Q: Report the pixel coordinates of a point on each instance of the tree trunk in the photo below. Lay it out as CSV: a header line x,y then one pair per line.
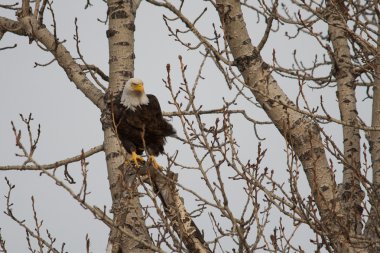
x,y
372,228
300,131
349,192
126,207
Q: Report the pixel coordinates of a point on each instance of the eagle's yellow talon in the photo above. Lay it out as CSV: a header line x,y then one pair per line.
x,y
154,163
135,158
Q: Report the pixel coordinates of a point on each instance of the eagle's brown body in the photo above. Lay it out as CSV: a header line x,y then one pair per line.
x,y
143,127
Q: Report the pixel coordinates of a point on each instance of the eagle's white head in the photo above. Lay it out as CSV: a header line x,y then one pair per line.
x,y
133,94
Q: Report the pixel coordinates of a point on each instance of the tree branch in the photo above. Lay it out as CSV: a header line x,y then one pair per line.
x,y
57,164
30,26
96,70
191,26
183,224
300,132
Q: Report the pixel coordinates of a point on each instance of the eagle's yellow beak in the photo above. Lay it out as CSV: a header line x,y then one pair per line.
x,y
139,87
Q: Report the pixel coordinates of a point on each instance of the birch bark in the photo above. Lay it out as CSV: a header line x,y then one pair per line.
x,y
372,228
300,132
126,207
350,191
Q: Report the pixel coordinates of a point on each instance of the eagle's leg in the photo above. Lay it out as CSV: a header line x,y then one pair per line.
x,y
154,163
136,158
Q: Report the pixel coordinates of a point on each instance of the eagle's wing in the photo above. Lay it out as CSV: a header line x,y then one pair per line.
x,y
154,107
156,124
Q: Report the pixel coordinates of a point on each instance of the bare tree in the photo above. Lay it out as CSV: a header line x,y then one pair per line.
x,y
265,210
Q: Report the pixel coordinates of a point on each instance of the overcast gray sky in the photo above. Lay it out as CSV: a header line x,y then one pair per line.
x,y
70,122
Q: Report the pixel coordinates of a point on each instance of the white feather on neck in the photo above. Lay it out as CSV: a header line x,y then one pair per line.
x,y
131,101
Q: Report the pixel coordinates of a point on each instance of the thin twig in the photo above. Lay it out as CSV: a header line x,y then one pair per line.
x,y
57,164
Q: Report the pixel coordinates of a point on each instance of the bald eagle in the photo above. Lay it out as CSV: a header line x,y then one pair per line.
x,y
140,124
